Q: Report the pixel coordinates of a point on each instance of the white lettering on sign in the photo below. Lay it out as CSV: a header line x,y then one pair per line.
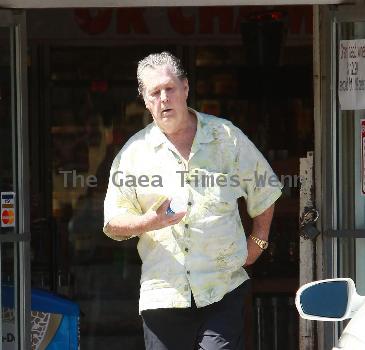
x,y
8,335
351,75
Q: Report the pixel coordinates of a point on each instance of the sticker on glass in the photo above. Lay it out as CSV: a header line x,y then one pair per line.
x,y
7,209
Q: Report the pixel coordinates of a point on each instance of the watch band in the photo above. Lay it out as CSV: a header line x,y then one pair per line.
x,y
260,242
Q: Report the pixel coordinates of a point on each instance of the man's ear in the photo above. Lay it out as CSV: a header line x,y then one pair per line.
x,y
186,87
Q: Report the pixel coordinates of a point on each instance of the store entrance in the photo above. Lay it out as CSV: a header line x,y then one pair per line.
x,y
84,107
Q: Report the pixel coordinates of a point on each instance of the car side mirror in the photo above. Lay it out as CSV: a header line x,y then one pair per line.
x,y
328,300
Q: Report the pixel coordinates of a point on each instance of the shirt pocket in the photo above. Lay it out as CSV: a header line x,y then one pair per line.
x,y
156,245
218,191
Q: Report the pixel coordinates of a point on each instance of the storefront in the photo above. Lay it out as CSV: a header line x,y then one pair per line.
x,y
68,103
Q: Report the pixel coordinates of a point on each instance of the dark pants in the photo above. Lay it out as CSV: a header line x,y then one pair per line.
x,y
218,326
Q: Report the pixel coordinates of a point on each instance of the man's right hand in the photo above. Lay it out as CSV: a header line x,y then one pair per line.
x,y
129,225
156,220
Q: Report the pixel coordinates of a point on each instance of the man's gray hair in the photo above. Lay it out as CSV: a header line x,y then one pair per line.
x,y
155,60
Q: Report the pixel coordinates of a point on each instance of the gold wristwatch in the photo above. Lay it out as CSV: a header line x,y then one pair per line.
x,y
260,242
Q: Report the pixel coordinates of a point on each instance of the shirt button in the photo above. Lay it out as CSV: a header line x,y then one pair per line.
x,y
186,225
188,272
190,203
186,249
179,161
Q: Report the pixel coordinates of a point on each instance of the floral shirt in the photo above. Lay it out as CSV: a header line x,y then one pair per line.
x,y
204,253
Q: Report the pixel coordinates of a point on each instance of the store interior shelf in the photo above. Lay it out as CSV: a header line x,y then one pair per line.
x,y
289,166
287,205
277,285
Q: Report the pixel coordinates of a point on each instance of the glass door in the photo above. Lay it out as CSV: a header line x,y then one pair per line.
x,y
14,228
89,110
343,154
349,120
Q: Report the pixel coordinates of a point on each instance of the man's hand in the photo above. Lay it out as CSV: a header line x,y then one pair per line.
x,y
128,225
155,220
253,252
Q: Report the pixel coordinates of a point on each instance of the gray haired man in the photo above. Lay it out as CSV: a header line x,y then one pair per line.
x,y
193,257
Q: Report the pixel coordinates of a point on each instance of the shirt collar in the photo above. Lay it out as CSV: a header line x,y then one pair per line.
x,y
204,133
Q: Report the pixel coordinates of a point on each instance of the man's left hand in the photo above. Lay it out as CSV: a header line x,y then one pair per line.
x,y
254,252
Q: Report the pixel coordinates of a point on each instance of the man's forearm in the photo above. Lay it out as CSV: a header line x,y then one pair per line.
x,y
260,229
261,223
126,225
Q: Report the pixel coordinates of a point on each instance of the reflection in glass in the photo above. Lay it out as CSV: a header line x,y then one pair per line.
x,y
93,110
326,299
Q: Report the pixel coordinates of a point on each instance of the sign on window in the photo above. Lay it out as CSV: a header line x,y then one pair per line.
x,y
351,80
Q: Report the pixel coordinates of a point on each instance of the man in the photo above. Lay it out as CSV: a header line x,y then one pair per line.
x,y
192,282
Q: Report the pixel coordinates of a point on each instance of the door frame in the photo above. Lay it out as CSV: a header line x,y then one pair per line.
x,y
26,4
15,20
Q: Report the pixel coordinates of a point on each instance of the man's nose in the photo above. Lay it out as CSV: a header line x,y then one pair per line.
x,y
164,96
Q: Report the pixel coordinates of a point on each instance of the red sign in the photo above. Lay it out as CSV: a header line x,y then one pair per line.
x,y
204,20
7,217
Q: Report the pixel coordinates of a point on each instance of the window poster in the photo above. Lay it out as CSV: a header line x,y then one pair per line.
x,y
351,78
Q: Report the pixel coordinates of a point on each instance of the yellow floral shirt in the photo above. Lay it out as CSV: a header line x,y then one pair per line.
x,y
204,253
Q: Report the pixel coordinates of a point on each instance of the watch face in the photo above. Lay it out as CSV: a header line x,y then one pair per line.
x,y
265,245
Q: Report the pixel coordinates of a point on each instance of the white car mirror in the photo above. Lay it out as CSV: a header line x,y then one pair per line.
x,y
328,300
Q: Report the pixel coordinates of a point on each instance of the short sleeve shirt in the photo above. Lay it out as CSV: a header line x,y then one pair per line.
x,y
204,253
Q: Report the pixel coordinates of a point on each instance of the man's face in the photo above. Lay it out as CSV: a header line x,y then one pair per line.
x,y
165,97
